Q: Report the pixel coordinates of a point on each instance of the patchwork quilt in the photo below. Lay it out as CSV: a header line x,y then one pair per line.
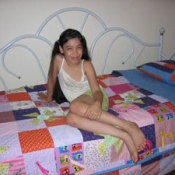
x,y
35,138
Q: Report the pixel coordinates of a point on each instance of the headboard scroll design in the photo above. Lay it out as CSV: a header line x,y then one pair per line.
x,y
94,29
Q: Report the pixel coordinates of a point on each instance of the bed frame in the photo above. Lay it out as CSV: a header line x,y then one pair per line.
x,y
130,56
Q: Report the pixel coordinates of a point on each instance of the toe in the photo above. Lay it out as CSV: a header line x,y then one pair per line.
x,y
134,157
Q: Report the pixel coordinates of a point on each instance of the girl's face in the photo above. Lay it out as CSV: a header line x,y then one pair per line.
x,y
72,51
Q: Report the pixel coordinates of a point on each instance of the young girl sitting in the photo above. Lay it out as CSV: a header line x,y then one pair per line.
x,y
72,70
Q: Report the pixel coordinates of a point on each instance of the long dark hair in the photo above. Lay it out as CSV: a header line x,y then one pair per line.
x,y
68,34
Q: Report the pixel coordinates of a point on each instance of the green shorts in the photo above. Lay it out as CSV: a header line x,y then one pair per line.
x,y
105,103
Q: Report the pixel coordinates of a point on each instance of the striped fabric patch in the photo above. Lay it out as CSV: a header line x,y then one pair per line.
x,y
162,70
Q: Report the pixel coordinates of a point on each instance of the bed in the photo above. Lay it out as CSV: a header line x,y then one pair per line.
x,y
35,138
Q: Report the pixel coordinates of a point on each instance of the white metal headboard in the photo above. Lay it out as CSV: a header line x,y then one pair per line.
x,y
89,24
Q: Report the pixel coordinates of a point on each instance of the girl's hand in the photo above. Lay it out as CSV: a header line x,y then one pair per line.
x,y
94,111
43,96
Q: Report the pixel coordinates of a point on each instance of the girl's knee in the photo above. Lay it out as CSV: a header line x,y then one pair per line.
x,y
71,120
73,106
77,108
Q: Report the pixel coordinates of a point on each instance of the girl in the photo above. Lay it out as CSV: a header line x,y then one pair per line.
x,y
71,66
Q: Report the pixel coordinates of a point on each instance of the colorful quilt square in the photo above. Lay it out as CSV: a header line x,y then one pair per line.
x,y
20,96
3,98
119,89
55,121
170,105
34,96
69,159
90,136
9,144
109,92
4,168
40,103
132,96
6,117
30,124
28,140
149,132
2,93
161,112
51,111
147,101
114,99
42,165
158,98
36,88
144,91
97,154
65,135
5,107
169,116
115,81
165,135
17,105
26,113
134,113
15,165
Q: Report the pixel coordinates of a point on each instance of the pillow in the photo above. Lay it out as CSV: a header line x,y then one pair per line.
x,y
162,70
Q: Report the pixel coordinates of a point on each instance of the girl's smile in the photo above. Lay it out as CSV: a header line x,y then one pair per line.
x,y
73,51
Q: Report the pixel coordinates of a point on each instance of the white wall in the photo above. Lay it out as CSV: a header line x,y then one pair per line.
x,y
141,17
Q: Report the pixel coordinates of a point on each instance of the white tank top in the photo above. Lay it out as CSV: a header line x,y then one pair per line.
x,y
71,87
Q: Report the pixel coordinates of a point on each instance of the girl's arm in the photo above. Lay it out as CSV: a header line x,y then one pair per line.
x,y
50,88
92,79
95,109
52,79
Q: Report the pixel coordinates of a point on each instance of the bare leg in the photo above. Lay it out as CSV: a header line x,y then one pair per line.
x,y
83,102
99,127
130,127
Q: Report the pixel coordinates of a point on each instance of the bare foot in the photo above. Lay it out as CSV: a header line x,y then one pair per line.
x,y
137,136
131,147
